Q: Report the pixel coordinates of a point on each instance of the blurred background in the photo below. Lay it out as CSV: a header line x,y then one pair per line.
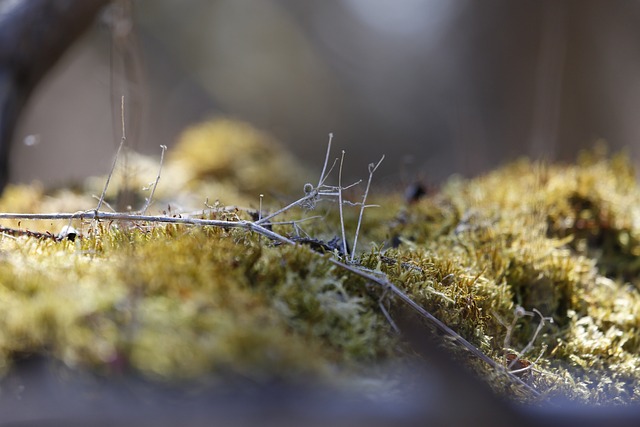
x,y
439,86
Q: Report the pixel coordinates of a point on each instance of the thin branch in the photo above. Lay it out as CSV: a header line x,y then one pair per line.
x,y
155,184
115,159
345,249
386,314
326,161
120,216
518,313
296,221
529,345
333,165
311,193
350,185
107,204
372,169
302,200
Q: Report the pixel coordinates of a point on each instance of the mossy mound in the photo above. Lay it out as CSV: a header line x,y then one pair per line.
x,y
489,257
184,304
519,237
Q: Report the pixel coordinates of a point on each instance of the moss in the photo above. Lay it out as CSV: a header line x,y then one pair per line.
x,y
234,153
320,301
179,303
555,238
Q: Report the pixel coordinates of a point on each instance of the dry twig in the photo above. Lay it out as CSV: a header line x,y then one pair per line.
x,y
115,158
155,184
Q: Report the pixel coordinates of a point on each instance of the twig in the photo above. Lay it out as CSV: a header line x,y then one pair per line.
x,y
529,345
296,221
14,232
107,204
372,169
115,159
312,194
519,313
155,184
386,314
531,366
260,214
345,249
326,161
120,216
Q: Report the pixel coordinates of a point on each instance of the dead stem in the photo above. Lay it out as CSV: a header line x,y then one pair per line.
x,y
372,169
345,249
115,159
155,184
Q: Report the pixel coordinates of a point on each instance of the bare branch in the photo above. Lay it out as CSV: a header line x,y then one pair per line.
x,y
345,249
326,161
372,169
115,159
309,196
155,184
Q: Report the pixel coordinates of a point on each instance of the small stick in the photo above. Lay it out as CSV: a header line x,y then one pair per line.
x,y
155,184
529,345
313,194
340,209
115,159
260,214
519,313
372,169
120,216
93,196
326,161
386,314
310,192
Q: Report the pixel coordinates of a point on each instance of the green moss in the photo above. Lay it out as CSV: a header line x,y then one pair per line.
x,y
321,302
555,238
181,303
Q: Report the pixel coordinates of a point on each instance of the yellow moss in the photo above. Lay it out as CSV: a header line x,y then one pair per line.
x,y
556,238
174,302
236,153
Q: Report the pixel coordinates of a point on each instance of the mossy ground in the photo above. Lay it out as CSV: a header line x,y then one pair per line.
x,y
177,303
